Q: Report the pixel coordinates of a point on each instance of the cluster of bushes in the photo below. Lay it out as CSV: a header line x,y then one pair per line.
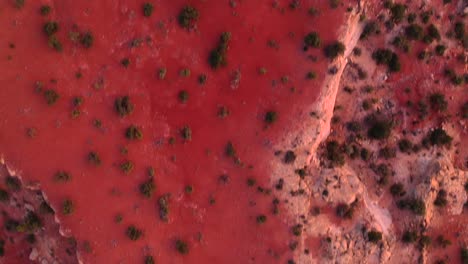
x,y
387,57
346,211
335,154
383,171
417,206
454,78
218,57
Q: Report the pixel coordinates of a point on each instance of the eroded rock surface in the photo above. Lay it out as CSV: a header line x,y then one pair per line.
x,y
235,131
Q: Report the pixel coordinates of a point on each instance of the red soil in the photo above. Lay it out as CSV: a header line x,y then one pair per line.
x,y
228,228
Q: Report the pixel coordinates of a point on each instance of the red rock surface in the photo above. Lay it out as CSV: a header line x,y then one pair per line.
x,y
247,140
221,232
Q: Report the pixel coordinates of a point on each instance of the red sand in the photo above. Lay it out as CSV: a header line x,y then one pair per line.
x,y
228,228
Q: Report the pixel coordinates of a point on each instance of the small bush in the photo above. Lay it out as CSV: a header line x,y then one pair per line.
x,y
397,12
442,241
345,211
87,40
440,49
380,129
371,27
438,102
409,236
387,57
312,40
133,233
387,152
335,153
464,110
374,236
432,34
383,171
438,137
218,56
147,9
464,255
414,32
402,43
397,189
365,154
424,241
405,145
441,199
289,157
188,17
334,50
459,29
355,126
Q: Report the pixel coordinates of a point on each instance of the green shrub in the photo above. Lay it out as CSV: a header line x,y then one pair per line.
x,y
380,129
442,241
387,57
87,40
355,126
417,206
188,16
51,28
374,236
424,241
365,154
409,236
387,152
133,233
383,170
397,12
438,137
312,40
397,189
464,110
335,153
441,198
289,157
371,27
402,43
218,56
346,211
335,49
438,102
414,32
440,49
459,29
405,145
432,34
147,9
464,255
